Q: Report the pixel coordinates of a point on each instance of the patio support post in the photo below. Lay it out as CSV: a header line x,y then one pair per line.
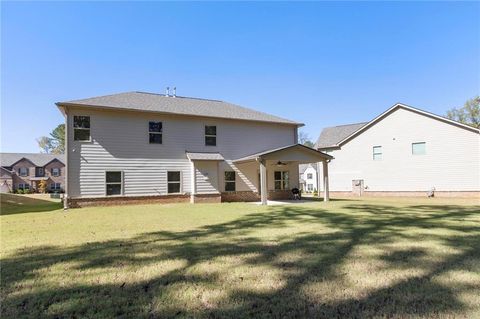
x,y
192,181
326,191
263,182
319,182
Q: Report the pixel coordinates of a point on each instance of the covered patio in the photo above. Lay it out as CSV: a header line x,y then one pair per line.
x,y
275,180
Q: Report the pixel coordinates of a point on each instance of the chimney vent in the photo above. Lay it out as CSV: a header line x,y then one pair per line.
x,y
175,91
167,91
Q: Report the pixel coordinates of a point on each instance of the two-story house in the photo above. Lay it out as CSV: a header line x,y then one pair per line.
x,y
25,170
403,151
308,177
138,146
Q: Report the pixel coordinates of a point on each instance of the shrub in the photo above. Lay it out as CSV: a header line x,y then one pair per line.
x,y
19,191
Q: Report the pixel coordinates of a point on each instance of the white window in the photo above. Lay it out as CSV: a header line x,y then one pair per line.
x,y
155,132
113,183
377,153
210,135
55,186
309,176
419,148
81,128
55,171
174,182
23,171
310,187
230,181
281,180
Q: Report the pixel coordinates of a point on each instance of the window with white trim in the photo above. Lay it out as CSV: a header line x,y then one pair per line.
x,y
155,132
113,183
377,153
419,148
55,186
309,176
210,135
174,182
23,171
81,128
310,187
281,180
229,181
55,171
40,171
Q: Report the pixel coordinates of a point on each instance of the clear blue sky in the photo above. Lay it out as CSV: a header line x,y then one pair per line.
x,y
322,64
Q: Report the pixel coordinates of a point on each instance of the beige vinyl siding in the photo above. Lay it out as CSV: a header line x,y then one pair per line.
x,y
206,177
451,162
119,141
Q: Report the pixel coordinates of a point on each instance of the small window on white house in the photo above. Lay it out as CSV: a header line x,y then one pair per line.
x,y
309,176
310,187
173,181
281,180
230,181
210,135
55,171
155,132
23,171
81,128
419,148
377,153
113,183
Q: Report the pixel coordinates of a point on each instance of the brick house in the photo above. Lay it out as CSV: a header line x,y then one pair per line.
x,y
25,171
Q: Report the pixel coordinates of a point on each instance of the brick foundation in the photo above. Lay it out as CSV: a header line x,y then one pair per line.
x,y
242,196
279,195
126,200
459,194
207,198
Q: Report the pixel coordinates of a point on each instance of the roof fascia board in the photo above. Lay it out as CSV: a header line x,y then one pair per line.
x,y
123,109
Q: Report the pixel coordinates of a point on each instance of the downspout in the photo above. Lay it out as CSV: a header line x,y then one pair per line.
x,y
66,196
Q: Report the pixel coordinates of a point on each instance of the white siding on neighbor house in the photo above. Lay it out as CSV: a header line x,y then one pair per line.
x,y
119,141
313,180
451,162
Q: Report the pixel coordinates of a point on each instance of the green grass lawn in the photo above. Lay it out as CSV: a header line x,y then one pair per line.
x,y
392,258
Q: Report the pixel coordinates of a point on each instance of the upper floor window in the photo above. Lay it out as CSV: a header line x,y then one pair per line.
x,y
309,176
173,181
155,132
40,171
113,183
281,180
377,153
210,135
419,148
23,171
230,181
55,171
81,128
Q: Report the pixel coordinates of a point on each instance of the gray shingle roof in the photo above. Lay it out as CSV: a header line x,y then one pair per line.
x,y
8,159
151,102
198,156
330,136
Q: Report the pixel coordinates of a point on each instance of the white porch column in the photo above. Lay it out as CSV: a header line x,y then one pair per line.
x,y
326,191
319,183
192,181
263,182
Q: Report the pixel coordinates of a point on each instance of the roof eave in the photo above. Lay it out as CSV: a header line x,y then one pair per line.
x,y
113,108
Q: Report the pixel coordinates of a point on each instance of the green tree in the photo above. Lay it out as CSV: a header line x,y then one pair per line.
x,y
468,114
54,144
304,139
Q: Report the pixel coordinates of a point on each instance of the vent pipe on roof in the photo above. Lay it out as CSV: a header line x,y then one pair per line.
x,y
175,91
167,91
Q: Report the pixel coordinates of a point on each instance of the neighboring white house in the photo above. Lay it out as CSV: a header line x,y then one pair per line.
x,y
308,177
139,146
403,151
